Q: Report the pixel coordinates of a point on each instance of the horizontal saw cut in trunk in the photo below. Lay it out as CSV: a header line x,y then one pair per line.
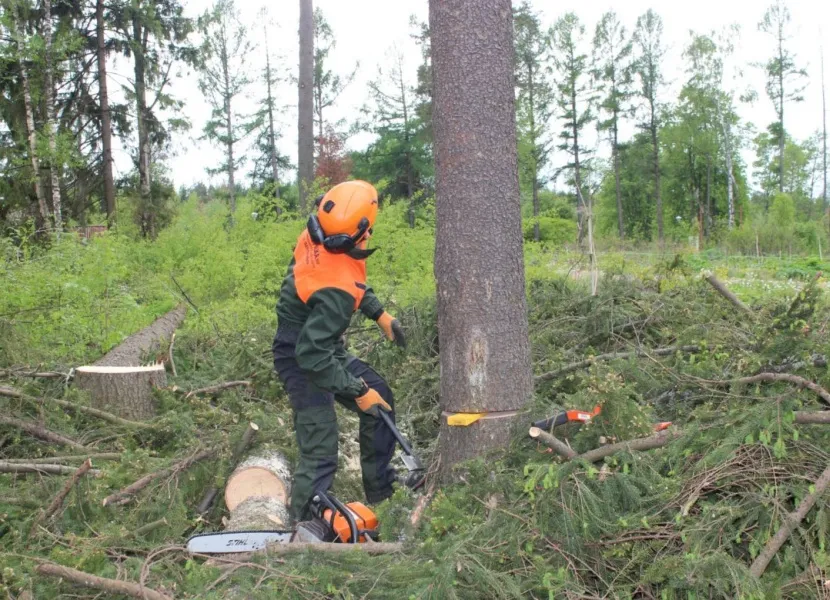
x,y
258,492
125,391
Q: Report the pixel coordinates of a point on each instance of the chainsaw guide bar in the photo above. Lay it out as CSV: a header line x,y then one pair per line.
x,y
236,541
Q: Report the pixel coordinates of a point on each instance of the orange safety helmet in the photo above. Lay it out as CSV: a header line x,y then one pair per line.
x,y
344,216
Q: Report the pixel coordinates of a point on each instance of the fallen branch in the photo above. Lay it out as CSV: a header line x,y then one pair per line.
x,y
101,414
812,418
773,378
125,496
56,460
791,521
45,469
32,374
421,506
214,389
41,432
150,527
58,501
240,450
584,364
112,586
726,293
561,448
639,445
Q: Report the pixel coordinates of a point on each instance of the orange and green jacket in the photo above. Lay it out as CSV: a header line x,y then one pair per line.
x,y
320,293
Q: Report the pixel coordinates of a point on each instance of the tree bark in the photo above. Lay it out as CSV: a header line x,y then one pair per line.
x,y
127,391
781,133
656,157
272,135
139,43
30,129
534,159
708,195
112,586
106,118
617,187
51,122
146,345
305,155
582,209
727,293
41,432
126,495
552,442
730,177
791,521
482,319
229,125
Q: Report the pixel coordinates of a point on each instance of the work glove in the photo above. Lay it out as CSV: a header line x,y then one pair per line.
x,y
371,402
392,329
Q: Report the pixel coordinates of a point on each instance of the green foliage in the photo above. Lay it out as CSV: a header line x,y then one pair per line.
x,y
552,230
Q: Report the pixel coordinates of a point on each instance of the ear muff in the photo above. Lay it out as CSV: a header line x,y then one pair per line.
x,y
340,243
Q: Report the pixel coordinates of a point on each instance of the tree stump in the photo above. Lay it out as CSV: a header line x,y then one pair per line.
x,y
258,492
124,391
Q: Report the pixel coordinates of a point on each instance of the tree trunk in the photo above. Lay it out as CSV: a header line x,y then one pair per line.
x,y
229,126
258,492
482,321
581,209
534,158
148,345
824,136
32,135
730,177
656,149
709,219
51,122
781,133
106,120
140,36
272,136
617,188
305,156
125,391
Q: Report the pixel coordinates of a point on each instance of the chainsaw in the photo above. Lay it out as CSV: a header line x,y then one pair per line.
x,y
332,520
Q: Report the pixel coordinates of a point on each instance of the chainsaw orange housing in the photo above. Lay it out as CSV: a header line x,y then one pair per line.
x,y
365,518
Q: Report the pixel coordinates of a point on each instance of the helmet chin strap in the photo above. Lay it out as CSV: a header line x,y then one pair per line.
x,y
361,253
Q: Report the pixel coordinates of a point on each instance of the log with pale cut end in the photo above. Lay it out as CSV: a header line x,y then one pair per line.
x,y
124,391
261,476
258,514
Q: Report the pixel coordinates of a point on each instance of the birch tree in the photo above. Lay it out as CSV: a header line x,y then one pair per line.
x,y
223,78
51,122
106,118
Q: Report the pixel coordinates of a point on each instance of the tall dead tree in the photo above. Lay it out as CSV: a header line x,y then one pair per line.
x,y
824,130
305,133
106,118
273,155
51,121
482,322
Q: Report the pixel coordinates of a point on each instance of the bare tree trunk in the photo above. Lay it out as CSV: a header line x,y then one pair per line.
x,y
824,136
305,157
31,131
617,187
657,193
51,123
709,219
140,36
229,125
730,177
106,119
482,321
781,133
537,234
272,135
582,209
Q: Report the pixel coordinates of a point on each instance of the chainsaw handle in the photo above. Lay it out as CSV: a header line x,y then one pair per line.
x,y
398,436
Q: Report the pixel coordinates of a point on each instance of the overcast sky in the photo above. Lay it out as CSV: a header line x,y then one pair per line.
x,y
366,30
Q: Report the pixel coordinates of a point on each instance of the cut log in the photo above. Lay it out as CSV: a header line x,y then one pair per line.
x,y
258,514
552,442
125,391
265,476
146,346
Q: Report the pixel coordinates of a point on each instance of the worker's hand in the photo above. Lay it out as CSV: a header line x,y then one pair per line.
x,y
371,402
392,329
